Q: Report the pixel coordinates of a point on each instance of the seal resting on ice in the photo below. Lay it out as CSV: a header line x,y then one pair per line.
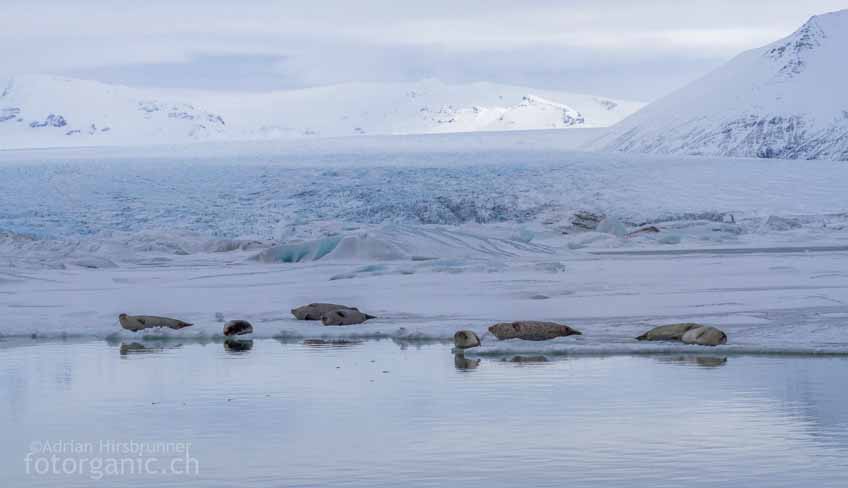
x,y
136,323
672,332
531,330
238,327
344,316
705,336
314,311
465,339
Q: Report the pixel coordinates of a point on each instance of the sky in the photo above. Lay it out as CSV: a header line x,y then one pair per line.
x,y
627,49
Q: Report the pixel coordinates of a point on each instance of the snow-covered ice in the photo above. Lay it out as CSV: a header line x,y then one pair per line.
x,y
430,233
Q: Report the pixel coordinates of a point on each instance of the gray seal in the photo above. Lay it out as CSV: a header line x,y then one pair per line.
x,y
238,327
344,316
531,330
705,336
314,311
465,339
671,332
136,323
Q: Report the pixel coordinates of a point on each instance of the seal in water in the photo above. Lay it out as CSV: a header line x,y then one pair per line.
x,y
136,323
237,327
532,330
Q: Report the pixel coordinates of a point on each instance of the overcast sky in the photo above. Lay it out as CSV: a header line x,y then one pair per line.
x,y
617,48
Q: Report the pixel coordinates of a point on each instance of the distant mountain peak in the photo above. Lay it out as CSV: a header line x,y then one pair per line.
x,y
791,51
784,100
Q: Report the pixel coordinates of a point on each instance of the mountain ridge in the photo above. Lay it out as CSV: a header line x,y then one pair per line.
x,y
782,100
44,110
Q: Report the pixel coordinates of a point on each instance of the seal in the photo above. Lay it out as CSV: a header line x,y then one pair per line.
x,y
314,311
531,330
465,339
705,336
136,323
237,327
671,332
344,316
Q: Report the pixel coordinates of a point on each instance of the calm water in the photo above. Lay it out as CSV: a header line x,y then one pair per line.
x,y
387,414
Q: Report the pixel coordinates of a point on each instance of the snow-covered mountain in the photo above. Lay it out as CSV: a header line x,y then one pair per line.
x,y
785,100
38,111
41,111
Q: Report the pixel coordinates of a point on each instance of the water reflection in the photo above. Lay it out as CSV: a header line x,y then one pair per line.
x,y
130,348
335,343
462,363
699,361
418,342
526,359
238,346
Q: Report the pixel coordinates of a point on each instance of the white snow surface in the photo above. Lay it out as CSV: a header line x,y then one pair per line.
x,y
431,233
51,111
784,100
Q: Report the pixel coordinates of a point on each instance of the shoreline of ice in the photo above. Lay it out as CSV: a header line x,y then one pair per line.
x,y
497,349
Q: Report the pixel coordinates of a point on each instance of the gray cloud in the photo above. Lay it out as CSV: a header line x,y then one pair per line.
x,y
612,47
